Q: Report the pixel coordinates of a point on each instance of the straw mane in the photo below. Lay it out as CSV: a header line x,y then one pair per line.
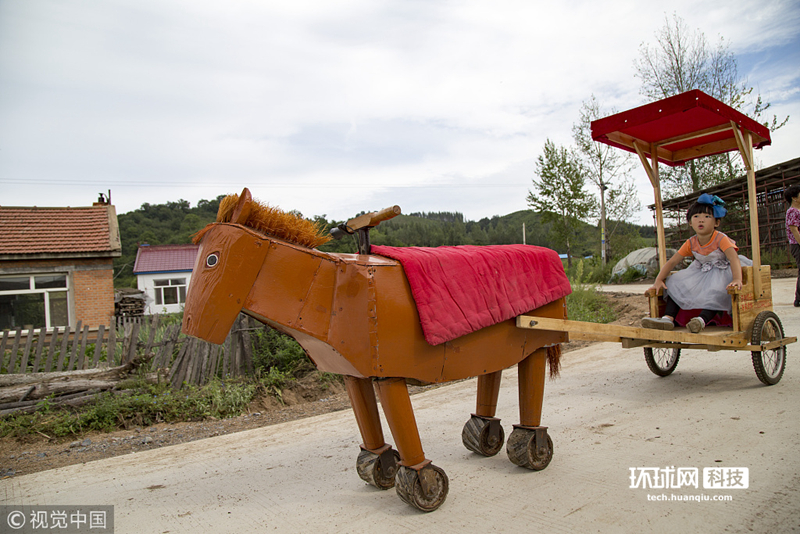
x,y
273,221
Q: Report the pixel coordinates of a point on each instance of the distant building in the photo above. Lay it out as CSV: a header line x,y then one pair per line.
x,y
163,273
56,266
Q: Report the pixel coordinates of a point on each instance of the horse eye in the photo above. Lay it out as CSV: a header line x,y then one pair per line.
x,y
212,260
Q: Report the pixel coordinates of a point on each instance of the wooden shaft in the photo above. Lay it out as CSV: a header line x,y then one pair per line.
x,y
365,408
374,218
531,388
488,391
400,416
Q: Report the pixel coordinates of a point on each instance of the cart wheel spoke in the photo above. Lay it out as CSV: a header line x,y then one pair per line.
x,y
662,361
769,365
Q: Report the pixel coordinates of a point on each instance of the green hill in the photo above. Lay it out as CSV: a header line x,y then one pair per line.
x,y
175,222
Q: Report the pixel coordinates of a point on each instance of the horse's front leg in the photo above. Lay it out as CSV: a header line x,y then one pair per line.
x,y
482,433
377,463
419,482
529,445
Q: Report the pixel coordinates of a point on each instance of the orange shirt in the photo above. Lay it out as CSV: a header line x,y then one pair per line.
x,y
718,241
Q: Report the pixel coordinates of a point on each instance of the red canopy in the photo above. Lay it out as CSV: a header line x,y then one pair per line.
x,y
683,127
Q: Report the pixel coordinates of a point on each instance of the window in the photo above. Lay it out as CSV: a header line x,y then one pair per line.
x,y
170,291
33,301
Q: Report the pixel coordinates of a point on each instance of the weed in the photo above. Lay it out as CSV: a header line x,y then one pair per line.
x,y
143,405
586,303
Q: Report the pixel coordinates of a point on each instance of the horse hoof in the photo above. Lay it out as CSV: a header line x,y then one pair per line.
x,y
425,489
524,449
483,435
375,472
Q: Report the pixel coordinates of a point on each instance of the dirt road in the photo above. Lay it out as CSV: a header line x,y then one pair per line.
x,y
607,414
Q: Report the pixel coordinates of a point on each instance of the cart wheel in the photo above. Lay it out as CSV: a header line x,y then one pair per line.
x,y
768,364
370,469
427,497
662,361
522,450
478,435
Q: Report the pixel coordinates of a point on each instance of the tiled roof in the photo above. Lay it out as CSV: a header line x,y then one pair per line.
x,y
165,258
32,230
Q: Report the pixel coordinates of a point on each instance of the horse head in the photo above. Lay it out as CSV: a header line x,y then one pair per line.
x,y
228,261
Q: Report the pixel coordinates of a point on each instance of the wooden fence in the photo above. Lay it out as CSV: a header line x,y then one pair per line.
x,y
187,359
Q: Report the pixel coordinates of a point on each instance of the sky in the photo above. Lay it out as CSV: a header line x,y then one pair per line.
x,y
337,107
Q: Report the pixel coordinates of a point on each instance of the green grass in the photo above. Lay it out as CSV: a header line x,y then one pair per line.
x,y
586,303
146,404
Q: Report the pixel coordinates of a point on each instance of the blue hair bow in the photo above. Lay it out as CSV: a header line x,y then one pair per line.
x,y
716,203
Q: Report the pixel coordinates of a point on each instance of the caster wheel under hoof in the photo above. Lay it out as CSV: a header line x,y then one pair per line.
x,y
524,449
425,489
377,472
483,435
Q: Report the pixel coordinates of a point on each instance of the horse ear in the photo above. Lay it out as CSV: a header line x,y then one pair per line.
x,y
243,208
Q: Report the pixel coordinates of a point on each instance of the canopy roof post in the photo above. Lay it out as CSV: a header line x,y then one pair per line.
x,y
652,174
745,144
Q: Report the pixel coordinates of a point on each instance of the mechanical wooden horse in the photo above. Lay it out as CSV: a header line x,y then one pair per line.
x,y
355,315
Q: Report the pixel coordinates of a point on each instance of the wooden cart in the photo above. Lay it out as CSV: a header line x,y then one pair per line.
x,y
674,131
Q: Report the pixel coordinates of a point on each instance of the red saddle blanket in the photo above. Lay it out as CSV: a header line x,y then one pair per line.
x,y
462,289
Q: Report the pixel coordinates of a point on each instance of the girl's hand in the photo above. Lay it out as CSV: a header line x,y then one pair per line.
x,y
737,284
659,284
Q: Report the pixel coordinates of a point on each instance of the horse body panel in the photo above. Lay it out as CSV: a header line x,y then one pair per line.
x,y
349,312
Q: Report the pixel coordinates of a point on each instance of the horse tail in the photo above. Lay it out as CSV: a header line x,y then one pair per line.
x,y
554,360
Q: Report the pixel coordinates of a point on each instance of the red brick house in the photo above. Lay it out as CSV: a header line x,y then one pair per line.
x,y
56,266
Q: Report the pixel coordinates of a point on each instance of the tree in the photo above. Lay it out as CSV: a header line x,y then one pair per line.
x,y
682,60
560,194
608,168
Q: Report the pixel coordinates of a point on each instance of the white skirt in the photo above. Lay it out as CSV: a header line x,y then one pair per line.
x,y
703,284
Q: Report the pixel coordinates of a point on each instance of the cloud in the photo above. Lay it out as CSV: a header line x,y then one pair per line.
x,y
327,107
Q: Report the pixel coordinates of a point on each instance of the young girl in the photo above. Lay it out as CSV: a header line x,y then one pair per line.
x,y
703,285
792,197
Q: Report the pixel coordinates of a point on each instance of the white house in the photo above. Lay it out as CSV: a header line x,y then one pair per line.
x,y
163,273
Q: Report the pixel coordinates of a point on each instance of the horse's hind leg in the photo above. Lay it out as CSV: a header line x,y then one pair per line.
x,y
529,445
482,433
377,463
419,482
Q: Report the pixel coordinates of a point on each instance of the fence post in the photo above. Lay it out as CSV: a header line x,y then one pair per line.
x,y
82,353
39,346
3,351
63,354
111,351
23,366
73,356
51,352
98,345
